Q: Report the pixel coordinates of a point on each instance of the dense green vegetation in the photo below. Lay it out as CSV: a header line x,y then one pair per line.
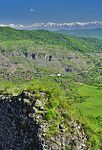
x,y
46,37
67,69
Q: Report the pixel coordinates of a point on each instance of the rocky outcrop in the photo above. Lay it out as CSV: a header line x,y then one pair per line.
x,y
64,140
23,127
18,131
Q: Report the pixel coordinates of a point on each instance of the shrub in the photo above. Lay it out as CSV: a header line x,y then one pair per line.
x,y
51,113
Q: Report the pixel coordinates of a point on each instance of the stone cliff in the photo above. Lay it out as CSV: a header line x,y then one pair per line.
x,y
23,127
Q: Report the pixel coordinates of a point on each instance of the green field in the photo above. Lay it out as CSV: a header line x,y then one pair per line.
x,y
90,111
93,101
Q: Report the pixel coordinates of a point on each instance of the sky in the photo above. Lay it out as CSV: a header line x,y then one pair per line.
x,y
37,11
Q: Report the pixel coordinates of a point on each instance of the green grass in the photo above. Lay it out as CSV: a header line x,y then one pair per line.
x,y
90,112
92,106
93,101
92,91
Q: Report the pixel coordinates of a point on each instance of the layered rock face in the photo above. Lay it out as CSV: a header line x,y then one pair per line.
x,y
22,127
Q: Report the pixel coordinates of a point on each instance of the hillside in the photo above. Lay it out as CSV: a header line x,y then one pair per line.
x,y
46,79
25,53
47,37
85,33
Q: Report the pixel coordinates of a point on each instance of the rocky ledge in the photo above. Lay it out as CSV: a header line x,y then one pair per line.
x,y
23,128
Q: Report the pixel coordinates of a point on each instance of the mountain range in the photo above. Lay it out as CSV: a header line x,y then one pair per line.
x,y
57,26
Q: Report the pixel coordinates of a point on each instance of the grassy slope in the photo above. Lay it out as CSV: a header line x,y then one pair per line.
x,y
46,37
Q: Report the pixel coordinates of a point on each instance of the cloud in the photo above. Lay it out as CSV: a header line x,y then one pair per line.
x,y
31,10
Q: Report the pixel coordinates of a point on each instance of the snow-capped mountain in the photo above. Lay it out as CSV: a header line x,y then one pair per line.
x,y
57,26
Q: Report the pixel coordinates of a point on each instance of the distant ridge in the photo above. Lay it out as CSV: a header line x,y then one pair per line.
x,y
86,33
57,26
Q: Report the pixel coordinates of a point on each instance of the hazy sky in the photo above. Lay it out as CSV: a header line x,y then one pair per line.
x,y
31,11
